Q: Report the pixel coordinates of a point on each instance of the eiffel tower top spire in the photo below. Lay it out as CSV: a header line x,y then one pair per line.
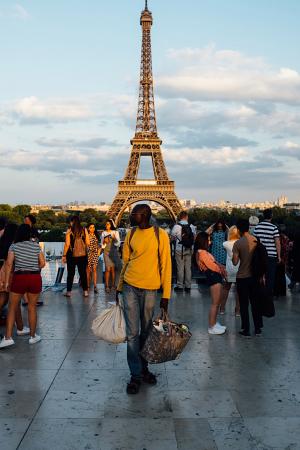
x,y
146,120
145,144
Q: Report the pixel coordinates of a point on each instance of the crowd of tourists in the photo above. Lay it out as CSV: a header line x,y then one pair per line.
x,y
251,256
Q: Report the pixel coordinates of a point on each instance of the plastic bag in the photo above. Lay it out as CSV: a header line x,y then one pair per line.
x,y
110,325
165,341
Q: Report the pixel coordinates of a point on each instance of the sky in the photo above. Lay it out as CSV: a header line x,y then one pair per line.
x,y
226,85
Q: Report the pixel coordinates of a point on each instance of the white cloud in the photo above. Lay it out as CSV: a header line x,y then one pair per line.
x,y
288,149
226,75
33,110
292,145
207,156
20,12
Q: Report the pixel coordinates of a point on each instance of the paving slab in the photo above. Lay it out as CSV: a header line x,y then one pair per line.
x,y
104,434
192,434
275,432
11,432
224,392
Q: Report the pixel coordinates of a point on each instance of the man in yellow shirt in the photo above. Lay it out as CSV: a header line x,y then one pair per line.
x,y
147,267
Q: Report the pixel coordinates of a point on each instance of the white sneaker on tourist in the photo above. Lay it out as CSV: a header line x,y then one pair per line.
x,y
216,330
23,332
35,339
6,342
220,326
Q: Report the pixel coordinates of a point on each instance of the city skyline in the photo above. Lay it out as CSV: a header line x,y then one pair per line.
x,y
227,90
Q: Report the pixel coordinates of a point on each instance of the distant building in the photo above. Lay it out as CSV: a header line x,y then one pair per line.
x,y
188,203
281,201
292,206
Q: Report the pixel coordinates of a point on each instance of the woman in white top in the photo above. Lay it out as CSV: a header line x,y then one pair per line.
x,y
110,243
233,236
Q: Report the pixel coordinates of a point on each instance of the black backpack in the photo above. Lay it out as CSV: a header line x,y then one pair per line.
x,y
259,263
187,236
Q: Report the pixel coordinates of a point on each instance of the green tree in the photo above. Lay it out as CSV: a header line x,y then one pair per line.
x,y
54,235
5,207
46,219
22,210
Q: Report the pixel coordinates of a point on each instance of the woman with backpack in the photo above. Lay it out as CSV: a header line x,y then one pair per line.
x,y
75,254
215,273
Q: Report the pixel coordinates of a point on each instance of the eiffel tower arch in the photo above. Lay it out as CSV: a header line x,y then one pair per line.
x,y
146,143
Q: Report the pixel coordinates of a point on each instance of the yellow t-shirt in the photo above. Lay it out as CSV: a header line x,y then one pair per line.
x,y
141,262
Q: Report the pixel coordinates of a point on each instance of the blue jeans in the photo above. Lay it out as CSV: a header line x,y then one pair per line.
x,y
138,310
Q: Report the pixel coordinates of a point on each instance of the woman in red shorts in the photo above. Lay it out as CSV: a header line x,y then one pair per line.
x,y
26,260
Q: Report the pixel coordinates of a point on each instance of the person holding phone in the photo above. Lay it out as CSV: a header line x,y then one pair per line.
x,y
110,243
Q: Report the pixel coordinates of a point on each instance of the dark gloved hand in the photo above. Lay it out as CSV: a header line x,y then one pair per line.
x,y
117,296
164,303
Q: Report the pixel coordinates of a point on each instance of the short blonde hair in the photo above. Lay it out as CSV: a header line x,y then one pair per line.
x,y
233,233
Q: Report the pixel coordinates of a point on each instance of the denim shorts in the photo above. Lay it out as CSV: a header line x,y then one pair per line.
x,y
213,277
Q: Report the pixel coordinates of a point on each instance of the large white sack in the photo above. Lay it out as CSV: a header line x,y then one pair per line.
x,y
110,325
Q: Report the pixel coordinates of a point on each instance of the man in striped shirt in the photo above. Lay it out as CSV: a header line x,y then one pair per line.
x,y
269,236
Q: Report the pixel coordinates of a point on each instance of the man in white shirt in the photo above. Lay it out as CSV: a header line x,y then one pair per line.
x,y
269,236
183,236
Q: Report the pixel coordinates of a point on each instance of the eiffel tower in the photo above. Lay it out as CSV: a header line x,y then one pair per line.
x,y
145,143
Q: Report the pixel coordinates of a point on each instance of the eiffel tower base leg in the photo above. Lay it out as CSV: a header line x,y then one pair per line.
x,y
124,199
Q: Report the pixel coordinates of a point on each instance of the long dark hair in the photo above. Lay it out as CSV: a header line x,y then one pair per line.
x,y
76,226
112,224
23,233
96,232
201,243
221,221
8,238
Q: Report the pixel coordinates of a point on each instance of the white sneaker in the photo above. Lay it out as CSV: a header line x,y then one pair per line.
x,y
23,332
6,342
35,339
216,330
218,325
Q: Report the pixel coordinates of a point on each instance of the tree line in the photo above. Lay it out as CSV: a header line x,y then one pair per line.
x,y
52,225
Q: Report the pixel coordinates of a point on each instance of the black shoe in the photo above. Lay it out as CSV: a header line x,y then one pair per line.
x,y
258,332
133,386
39,303
187,290
244,333
149,377
178,289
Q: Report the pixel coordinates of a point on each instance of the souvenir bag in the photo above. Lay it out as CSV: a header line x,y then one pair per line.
x,y
166,340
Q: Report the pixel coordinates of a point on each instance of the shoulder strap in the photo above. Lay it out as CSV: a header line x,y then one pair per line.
x,y
156,230
132,231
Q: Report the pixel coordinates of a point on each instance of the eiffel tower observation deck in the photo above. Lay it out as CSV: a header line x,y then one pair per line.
x,y
146,143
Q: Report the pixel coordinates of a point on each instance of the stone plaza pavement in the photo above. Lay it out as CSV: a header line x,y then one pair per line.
x,y
68,391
